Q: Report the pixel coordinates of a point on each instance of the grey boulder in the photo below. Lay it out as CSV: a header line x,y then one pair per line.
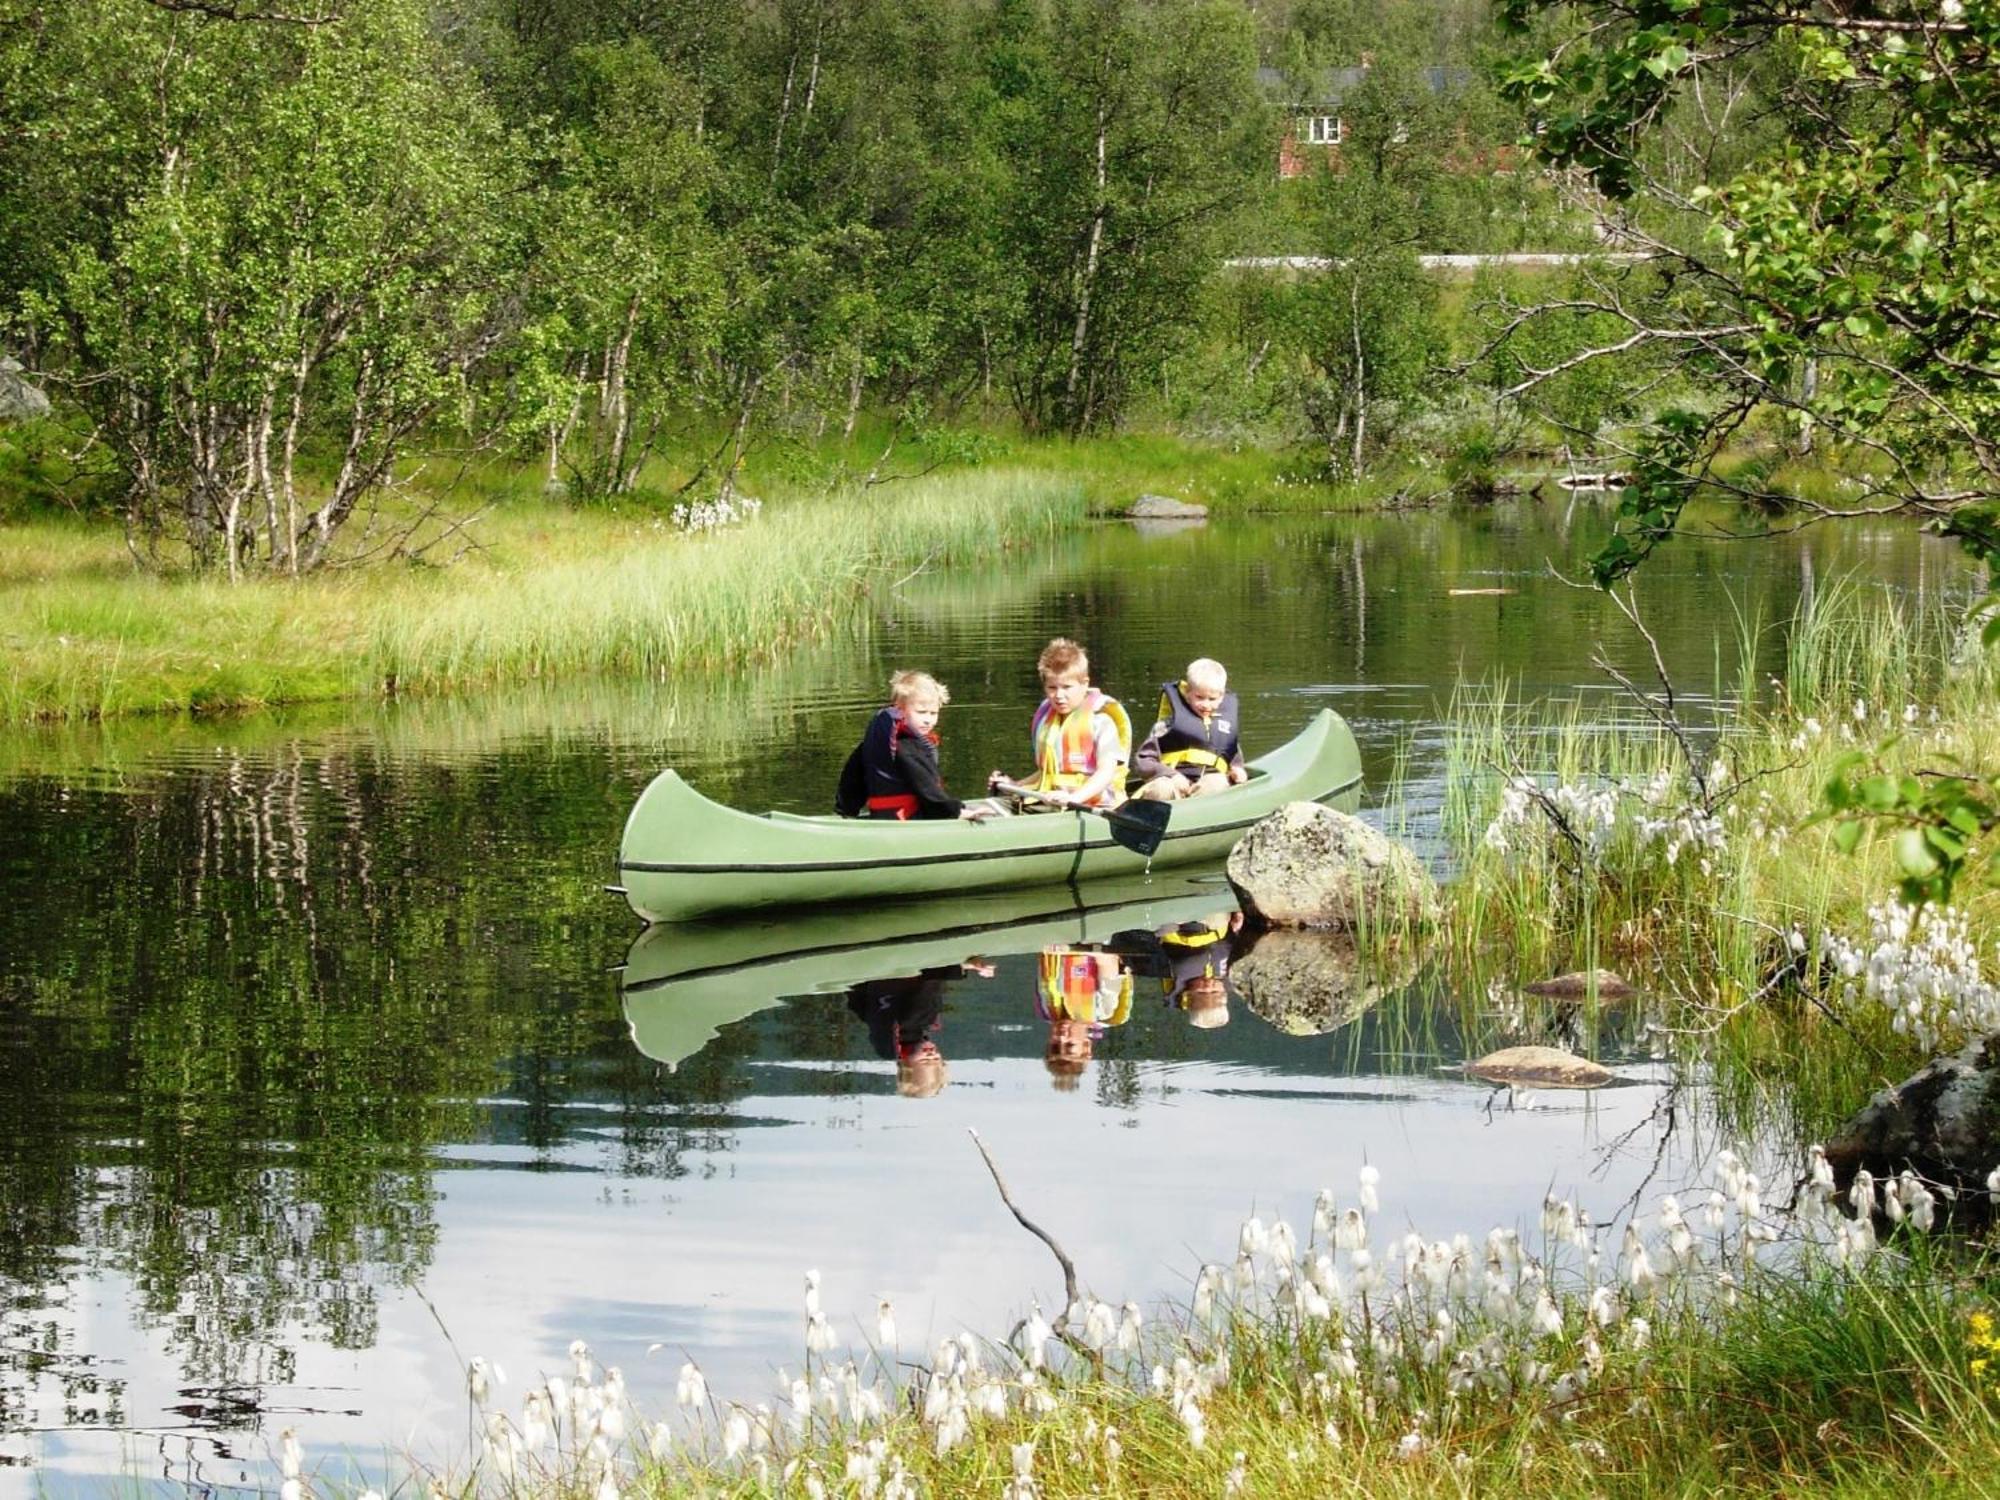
x,y
1942,1122
1311,866
19,401
1165,508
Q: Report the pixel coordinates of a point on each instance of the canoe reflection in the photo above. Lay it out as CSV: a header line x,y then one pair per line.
x,y
683,982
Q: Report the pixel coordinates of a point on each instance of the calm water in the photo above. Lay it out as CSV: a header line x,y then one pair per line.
x,y
309,1024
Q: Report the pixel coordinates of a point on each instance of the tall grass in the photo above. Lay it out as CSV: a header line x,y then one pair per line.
x,y
1716,904
556,593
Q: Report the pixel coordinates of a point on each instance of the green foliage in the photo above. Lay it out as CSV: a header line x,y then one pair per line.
x,y
1834,271
224,287
1936,821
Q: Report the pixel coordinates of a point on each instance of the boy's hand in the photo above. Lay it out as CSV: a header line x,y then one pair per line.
x,y
1238,775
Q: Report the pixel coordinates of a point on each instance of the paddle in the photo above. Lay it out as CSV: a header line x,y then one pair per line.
x,y
1138,826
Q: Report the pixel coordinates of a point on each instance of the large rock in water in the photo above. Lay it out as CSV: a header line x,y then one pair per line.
x,y
1943,1123
1306,983
1165,508
1311,866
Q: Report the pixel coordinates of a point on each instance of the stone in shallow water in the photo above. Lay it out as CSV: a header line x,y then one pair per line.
x,y
1165,508
1311,866
1544,1067
1577,984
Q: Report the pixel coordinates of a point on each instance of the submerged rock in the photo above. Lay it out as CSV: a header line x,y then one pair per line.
x,y
1943,1123
1166,508
1543,1067
1311,866
1307,983
1575,985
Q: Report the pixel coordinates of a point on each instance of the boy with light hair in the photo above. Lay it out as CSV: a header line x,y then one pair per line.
x,y
893,772
1082,738
1195,748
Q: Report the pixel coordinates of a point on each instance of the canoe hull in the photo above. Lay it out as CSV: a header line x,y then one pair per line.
x,y
684,856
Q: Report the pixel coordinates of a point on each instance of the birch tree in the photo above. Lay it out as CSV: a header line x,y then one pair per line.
x,y
288,288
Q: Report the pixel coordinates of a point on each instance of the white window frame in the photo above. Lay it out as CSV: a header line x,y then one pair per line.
x,y
1324,130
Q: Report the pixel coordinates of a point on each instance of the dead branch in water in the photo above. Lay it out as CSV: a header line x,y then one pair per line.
x,y
1060,1326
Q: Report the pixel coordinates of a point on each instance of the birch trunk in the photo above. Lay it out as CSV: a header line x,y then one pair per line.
x,y
1087,275
853,397
1360,375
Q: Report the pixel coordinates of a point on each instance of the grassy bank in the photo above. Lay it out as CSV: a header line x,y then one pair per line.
x,y
553,591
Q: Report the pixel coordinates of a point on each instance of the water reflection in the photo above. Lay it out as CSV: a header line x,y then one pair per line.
x,y
1190,959
903,1015
684,983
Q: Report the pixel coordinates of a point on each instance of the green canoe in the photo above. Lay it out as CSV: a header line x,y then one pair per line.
x,y
684,856
682,984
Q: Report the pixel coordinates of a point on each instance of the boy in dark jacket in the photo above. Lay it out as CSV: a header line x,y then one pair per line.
x,y
893,772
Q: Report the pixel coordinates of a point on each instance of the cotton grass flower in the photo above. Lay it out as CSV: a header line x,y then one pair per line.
x,y
691,1391
1370,1178
1251,1239
885,1324
1128,1329
819,1333
1100,1325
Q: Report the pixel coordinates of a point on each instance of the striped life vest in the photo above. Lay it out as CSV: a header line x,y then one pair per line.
x,y
1066,745
1072,988
1189,743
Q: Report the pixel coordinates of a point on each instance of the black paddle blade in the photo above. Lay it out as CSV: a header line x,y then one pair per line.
x,y
1140,826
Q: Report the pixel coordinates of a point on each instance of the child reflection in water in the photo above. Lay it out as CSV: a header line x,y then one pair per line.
x,y
1191,962
1081,994
903,1014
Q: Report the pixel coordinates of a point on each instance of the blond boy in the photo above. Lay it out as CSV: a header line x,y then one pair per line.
x,y
1082,738
1194,748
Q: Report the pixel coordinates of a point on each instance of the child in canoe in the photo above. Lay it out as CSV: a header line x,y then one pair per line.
x,y
893,772
1082,738
1193,748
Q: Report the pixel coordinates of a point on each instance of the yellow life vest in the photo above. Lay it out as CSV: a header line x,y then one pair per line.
x,y
1207,744
1066,744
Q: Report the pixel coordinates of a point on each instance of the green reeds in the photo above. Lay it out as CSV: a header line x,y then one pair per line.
x,y
556,593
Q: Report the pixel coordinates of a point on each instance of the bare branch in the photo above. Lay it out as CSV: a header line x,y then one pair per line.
x,y
1061,1255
